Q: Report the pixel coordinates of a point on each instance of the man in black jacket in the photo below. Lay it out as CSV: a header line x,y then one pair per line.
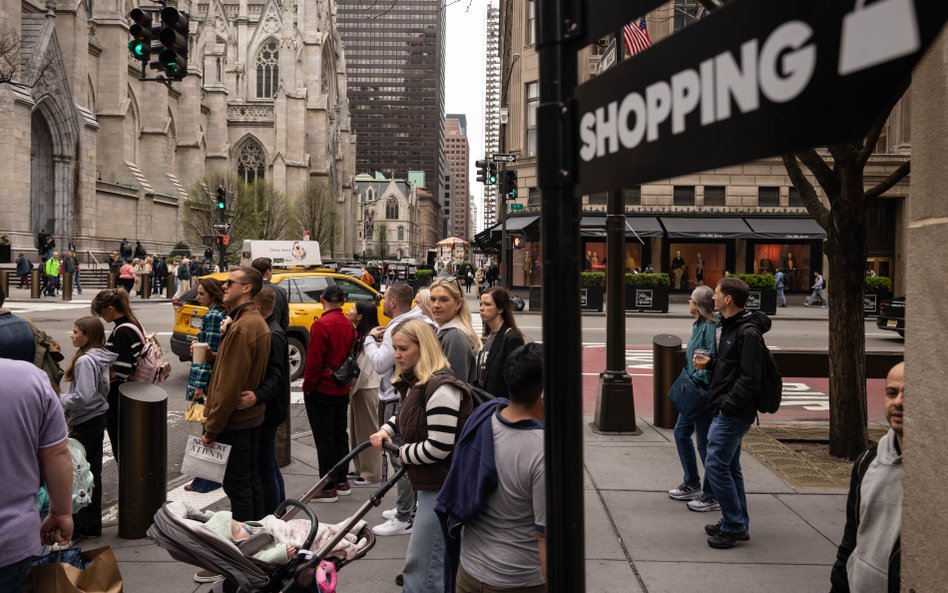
x,y
870,555
281,309
732,403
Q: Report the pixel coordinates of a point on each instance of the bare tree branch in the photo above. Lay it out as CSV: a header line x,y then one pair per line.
x,y
316,211
709,5
811,200
264,210
827,178
890,181
872,138
12,70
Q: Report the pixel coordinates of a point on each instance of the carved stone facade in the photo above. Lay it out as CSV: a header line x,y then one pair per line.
x,y
94,154
388,217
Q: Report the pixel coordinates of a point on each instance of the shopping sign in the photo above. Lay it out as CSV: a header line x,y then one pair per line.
x,y
752,80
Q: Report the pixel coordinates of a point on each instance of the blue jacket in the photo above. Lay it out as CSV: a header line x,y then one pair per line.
x,y
470,482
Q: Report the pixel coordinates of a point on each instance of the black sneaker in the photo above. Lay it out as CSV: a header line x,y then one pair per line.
x,y
400,580
715,529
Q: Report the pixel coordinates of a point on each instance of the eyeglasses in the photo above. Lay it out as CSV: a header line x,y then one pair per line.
x,y
231,281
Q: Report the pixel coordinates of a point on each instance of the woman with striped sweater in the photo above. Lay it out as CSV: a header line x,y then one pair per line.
x,y
435,406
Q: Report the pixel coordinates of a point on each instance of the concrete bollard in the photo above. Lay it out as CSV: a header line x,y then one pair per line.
x,y
143,463
667,361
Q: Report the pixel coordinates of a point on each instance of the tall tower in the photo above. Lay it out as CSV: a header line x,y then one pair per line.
x,y
492,107
459,161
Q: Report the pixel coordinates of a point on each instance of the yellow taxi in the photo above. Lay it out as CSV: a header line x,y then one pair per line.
x,y
303,289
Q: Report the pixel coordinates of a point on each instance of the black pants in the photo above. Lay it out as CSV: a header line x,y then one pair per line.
x,y
113,418
88,521
242,480
271,480
328,417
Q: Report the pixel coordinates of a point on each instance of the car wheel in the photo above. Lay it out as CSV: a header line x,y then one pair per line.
x,y
297,358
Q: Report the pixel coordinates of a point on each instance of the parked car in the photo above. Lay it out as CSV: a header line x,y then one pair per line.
x,y
892,315
303,290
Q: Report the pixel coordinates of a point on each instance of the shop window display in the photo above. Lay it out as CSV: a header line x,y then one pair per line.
x,y
527,269
695,264
595,257
794,259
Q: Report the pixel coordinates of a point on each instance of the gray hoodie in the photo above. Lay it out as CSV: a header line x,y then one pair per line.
x,y
86,397
880,520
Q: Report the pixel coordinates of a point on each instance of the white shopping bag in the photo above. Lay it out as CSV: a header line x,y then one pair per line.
x,y
205,462
878,33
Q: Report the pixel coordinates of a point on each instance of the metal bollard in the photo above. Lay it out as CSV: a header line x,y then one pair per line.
x,y
667,361
146,286
111,279
5,281
35,284
169,286
67,287
143,464
283,444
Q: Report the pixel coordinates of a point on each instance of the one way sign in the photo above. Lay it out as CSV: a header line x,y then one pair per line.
x,y
753,79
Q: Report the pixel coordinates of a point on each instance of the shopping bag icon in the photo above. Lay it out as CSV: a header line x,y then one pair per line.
x,y
878,33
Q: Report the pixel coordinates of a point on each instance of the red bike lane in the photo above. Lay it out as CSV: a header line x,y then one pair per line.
x,y
804,398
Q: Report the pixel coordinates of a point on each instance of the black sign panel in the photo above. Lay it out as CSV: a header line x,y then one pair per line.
x,y
751,80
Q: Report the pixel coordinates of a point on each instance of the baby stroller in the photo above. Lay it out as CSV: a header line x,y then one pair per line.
x,y
181,532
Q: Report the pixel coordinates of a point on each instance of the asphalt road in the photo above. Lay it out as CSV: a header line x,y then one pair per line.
x,y
57,318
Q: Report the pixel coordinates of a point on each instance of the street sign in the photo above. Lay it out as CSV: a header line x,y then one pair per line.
x,y
608,59
504,158
752,80
222,226
516,207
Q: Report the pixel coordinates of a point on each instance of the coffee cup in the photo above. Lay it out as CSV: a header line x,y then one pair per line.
x,y
702,358
199,352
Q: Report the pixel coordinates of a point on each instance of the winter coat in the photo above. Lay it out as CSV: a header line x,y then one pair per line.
x,y
506,341
23,266
86,396
736,369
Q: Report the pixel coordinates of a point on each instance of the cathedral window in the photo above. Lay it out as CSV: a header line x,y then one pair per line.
x,y
391,209
401,233
251,163
268,70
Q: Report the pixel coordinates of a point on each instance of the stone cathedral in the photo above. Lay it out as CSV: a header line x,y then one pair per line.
x,y
94,155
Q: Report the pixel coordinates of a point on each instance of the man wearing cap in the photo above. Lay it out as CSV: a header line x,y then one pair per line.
x,y
327,402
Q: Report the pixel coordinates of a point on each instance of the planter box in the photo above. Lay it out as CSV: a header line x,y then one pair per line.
x,y
591,298
536,298
5,257
654,298
871,302
764,300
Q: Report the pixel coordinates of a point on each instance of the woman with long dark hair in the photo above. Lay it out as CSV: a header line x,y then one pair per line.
x,y
364,398
84,399
501,337
126,340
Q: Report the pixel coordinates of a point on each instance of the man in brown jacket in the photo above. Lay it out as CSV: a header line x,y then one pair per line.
x,y
240,364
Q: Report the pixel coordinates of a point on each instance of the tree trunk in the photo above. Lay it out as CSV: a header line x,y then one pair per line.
x,y
846,252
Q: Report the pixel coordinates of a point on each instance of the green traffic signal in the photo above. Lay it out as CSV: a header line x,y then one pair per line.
x,y
137,48
492,180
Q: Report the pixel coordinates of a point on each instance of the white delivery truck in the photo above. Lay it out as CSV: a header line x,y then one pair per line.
x,y
283,254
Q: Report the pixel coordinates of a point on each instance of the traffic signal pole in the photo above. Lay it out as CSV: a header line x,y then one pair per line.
x,y
502,184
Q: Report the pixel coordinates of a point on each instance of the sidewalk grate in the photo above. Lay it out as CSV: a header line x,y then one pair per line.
x,y
797,454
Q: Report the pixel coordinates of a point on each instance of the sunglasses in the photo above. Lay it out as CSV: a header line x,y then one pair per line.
x,y
230,282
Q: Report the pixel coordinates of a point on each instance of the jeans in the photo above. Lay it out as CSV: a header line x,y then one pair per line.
x,y
723,470
818,292
52,285
242,480
88,521
424,560
684,428
271,480
780,296
405,499
328,416
77,282
13,575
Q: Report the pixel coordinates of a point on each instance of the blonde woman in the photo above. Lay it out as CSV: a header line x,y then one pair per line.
x,y
456,334
435,406
423,301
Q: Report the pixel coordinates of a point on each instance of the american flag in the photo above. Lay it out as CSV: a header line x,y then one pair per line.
x,y
636,37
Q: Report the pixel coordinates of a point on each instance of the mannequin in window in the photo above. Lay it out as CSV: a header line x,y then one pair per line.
x,y
766,266
594,259
790,272
589,263
527,268
699,271
678,269
630,264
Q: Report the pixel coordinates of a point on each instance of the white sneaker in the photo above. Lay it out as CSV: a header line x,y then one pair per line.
x,y
390,514
392,527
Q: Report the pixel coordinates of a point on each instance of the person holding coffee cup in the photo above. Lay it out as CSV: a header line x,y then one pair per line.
x,y
698,355
203,351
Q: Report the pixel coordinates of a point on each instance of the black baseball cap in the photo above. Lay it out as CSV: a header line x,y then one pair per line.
x,y
334,294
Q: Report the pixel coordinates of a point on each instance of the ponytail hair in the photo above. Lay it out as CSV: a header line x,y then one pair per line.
x,y
116,298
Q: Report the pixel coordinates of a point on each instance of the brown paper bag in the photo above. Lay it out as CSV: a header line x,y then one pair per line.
x,y
102,576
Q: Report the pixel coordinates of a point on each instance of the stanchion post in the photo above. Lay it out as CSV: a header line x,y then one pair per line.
x,y
142,456
667,361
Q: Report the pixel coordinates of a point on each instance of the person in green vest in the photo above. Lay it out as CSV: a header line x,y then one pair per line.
x,y
52,274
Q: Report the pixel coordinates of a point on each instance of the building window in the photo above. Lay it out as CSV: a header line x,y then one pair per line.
x,y
632,196
686,12
714,195
684,195
598,199
533,99
268,70
796,200
401,233
533,196
530,34
391,209
768,196
251,163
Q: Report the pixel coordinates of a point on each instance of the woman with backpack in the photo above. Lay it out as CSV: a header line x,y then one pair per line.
x,y
210,293
435,406
458,339
127,341
501,337
85,401
364,398
126,277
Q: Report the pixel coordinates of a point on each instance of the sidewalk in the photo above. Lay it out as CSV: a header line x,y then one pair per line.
x,y
637,539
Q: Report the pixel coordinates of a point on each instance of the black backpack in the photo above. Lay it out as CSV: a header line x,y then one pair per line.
x,y
771,383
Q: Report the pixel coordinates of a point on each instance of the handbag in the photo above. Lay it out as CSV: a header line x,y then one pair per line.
x,y
209,463
690,398
349,370
194,413
100,576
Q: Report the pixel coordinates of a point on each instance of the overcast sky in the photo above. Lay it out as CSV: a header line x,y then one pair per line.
x,y
464,78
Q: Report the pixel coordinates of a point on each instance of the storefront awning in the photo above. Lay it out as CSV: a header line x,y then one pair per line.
x,y
706,228
643,226
786,228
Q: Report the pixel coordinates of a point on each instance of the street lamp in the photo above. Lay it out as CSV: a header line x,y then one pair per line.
x,y
502,191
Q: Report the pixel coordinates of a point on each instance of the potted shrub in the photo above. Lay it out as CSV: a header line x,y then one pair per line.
x,y
181,249
647,292
878,288
763,293
5,256
592,291
423,278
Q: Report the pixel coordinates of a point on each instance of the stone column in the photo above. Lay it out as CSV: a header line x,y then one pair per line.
x,y
924,522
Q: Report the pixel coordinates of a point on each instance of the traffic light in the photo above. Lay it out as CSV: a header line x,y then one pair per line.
x,y
492,175
221,198
142,35
510,184
173,60
517,242
481,171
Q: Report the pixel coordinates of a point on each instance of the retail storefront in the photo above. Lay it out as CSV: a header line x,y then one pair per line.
x,y
700,250
638,248
794,244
